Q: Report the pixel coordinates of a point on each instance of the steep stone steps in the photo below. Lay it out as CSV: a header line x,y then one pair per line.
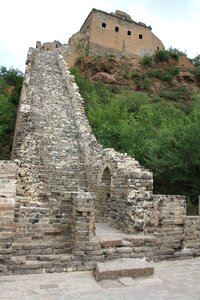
x,y
49,147
124,267
54,125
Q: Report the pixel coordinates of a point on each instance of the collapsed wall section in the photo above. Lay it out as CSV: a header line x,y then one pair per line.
x,y
192,234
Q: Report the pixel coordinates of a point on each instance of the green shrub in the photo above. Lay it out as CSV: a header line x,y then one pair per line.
x,y
135,75
169,73
164,55
161,55
79,61
152,73
143,84
127,72
146,61
173,70
142,81
166,76
175,53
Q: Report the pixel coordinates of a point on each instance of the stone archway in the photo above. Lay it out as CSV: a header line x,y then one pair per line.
x,y
104,196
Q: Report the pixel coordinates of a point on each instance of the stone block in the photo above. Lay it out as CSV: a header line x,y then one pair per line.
x,y
124,249
125,267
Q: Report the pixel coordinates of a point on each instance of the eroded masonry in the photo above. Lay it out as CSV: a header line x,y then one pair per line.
x,y
62,185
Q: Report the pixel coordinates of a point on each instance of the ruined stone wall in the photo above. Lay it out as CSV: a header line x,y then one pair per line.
x,y
49,46
129,182
170,231
192,234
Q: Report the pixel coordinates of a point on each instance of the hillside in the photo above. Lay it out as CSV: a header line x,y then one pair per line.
x,y
156,75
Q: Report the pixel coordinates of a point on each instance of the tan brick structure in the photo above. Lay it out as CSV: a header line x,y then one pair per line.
x,y
116,33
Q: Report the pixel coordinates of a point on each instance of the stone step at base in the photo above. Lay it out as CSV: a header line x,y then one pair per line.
x,y
123,267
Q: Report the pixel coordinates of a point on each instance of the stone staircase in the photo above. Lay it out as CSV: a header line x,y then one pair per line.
x,y
56,132
115,244
52,145
124,255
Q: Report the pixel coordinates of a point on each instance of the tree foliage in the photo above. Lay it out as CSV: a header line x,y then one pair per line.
x,y
10,88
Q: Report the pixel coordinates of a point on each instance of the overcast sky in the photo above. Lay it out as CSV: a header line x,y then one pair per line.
x,y
23,22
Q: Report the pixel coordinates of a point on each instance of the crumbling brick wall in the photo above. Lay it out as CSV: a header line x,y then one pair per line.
x,y
192,234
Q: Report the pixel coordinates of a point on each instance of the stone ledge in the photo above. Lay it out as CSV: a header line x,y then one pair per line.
x,y
123,267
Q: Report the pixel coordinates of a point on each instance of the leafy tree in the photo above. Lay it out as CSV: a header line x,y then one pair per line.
x,y
10,88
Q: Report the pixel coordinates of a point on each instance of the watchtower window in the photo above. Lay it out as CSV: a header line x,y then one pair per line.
x,y
128,32
140,36
47,49
103,25
158,48
116,29
56,46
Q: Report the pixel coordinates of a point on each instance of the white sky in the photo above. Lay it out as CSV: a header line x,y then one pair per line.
x,y
23,22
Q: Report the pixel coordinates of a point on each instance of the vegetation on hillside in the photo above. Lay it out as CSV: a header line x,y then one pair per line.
x,y
164,136
10,88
